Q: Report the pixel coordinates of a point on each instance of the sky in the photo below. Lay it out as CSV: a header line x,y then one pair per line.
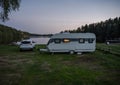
x,y
53,16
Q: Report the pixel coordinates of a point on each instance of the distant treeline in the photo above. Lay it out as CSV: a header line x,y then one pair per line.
x,y
40,35
107,30
9,34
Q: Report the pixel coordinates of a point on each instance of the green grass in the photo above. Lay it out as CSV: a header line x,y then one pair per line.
x,y
35,68
112,47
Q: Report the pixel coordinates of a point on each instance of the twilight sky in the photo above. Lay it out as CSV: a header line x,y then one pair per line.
x,y
53,16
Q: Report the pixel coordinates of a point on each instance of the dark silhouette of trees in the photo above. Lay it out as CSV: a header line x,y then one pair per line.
x,y
8,35
107,30
6,6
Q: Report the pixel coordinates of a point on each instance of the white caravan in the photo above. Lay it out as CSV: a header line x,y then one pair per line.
x,y
71,42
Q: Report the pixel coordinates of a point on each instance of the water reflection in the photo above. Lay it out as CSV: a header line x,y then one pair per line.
x,y
40,40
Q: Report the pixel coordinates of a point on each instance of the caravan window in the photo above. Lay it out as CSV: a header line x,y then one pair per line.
x,y
66,40
90,40
50,41
81,40
57,41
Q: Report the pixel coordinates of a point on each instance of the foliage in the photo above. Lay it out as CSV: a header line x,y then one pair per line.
x,y
41,35
109,29
8,35
7,6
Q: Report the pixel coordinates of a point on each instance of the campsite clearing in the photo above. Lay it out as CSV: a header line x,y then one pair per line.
x,y
35,68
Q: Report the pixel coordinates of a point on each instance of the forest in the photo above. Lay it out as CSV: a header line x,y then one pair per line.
x,y
104,30
9,34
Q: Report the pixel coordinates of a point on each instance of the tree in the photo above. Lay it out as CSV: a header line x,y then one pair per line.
x,y
78,29
6,6
9,34
107,30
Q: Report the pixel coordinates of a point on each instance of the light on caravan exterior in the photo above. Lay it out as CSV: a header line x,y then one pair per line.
x,y
71,42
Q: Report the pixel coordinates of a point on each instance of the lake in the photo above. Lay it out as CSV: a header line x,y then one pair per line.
x,y
40,40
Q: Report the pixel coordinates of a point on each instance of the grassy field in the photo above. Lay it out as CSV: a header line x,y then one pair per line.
x,y
35,68
113,48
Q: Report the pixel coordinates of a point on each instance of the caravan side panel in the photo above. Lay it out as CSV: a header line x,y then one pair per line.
x,y
77,42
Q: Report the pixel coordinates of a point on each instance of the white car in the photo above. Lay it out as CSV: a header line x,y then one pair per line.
x,y
27,45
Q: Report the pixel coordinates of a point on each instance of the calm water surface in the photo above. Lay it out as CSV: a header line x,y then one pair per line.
x,y
40,40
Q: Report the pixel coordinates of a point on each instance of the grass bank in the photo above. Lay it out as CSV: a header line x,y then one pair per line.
x,y
35,68
111,48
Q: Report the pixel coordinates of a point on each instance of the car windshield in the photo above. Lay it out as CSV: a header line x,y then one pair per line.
x,y
25,42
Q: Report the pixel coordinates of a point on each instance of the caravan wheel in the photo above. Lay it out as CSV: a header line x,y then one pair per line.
x,y
71,52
